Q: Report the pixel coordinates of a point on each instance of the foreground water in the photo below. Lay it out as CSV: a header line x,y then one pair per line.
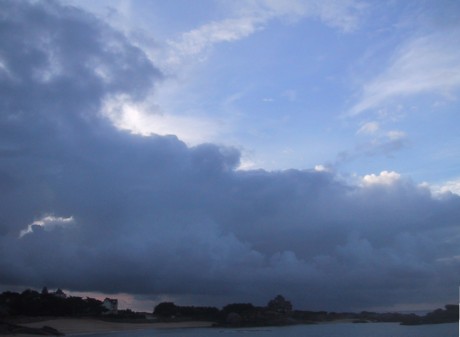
x,y
320,330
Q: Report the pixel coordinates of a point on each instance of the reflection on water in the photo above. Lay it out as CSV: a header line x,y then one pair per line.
x,y
319,330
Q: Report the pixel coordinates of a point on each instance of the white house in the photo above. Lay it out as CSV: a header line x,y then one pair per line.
x,y
111,305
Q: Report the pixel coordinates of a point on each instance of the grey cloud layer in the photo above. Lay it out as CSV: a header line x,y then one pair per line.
x,y
153,216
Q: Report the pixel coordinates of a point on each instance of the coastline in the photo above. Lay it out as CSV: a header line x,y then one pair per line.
x,y
82,326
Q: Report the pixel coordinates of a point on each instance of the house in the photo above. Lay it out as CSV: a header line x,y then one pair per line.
x,y
111,305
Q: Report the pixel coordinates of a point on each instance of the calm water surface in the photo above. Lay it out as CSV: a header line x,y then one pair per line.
x,y
320,330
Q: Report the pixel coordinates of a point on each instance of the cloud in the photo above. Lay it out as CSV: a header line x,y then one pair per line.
x,y
343,15
179,55
369,128
145,118
428,64
48,222
381,143
396,135
451,186
152,216
197,40
384,178
252,16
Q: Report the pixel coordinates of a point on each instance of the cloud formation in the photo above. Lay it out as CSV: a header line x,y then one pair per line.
x,y
49,222
151,216
380,143
428,64
251,16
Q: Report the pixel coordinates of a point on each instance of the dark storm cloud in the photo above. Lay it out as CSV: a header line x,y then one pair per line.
x,y
86,207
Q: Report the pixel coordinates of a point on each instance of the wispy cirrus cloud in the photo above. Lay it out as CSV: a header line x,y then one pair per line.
x,y
426,64
368,128
251,16
200,39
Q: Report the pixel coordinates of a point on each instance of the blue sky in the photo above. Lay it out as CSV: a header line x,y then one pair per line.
x,y
211,152
355,86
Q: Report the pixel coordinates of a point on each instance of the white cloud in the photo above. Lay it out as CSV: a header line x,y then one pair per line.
x,y
396,135
48,223
341,14
246,164
451,186
322,168
369,128
145,118
198,40
427,64
251,16
384,178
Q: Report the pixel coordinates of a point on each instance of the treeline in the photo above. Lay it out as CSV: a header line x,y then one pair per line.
x,y
279,312
34,303
170,311
449,314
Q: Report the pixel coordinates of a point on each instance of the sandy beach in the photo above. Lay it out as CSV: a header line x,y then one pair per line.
x,y
76,326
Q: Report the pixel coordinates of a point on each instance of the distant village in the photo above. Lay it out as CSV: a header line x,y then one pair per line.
x,y
53,303
278,311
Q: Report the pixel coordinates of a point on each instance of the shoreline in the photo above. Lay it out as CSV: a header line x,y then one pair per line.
x,y
84,326
87,326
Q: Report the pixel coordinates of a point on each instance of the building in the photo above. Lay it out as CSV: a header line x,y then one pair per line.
x,y
111,305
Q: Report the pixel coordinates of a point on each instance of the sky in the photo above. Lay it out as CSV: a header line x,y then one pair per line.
x,y
213,151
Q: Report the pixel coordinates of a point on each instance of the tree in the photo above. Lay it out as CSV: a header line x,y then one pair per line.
x,y
280,304
238,308
166,309
236,313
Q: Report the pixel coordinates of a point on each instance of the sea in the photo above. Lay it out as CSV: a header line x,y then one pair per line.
x,y
316,330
